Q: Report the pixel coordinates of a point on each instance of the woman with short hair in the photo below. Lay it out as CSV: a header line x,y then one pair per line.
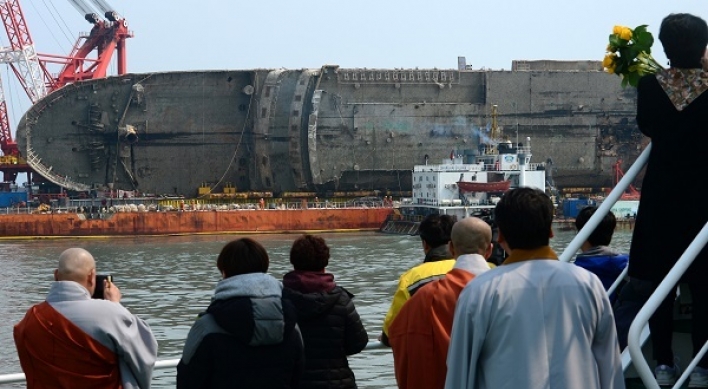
x,y
331,327
248,337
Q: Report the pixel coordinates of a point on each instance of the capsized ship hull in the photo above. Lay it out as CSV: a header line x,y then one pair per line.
x,y
321,129
192,222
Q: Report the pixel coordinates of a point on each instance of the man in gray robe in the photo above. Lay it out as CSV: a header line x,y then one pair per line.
x,y
533,322
72,340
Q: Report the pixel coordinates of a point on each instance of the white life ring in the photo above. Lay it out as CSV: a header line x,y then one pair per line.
x,y
514,167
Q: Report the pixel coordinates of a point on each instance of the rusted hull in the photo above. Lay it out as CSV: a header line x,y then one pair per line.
x,y
198,222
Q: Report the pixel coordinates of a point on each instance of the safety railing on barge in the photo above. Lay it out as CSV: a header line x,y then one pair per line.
x,y
158,205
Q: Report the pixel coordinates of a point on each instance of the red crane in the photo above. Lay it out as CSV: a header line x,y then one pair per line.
x,y
106,38
632,193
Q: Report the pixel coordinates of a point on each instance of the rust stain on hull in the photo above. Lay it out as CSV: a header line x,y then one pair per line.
x,y
198,222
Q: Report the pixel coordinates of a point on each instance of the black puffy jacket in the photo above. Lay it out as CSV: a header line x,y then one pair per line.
x,y
331,329
247,339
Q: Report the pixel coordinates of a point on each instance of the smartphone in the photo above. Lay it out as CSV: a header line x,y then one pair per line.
x,y
98,292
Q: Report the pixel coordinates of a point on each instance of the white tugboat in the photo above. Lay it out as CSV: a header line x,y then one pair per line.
x,y
468,183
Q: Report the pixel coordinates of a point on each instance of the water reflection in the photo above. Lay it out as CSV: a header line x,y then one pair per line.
x,y
169,280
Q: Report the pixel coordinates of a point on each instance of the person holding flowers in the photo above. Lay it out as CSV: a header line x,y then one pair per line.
x,y
672,109
629,54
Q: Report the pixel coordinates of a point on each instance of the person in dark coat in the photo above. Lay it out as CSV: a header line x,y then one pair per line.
x,y
248,337
672,109
596,255
331,327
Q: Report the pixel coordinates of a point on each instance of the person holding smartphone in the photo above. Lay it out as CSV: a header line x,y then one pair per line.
x,y
74,341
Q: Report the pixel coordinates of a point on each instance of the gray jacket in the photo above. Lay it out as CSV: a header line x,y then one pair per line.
x,y
111,325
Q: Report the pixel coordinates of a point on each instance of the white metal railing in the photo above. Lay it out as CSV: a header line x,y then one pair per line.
x,y
638,331
595,220
163,364
605,207
665,287
618,281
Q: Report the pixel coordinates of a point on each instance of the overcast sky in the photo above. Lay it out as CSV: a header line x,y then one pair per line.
x,y
246,34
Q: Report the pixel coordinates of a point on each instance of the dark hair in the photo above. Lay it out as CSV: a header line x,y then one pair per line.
x,y
524,217
684,37
602,236
435,229
242,256
309,253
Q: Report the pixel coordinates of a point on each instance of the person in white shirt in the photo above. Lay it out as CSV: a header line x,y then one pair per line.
x,y
533,322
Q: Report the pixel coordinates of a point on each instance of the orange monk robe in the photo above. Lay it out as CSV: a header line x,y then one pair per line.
x,y
55,353
420,334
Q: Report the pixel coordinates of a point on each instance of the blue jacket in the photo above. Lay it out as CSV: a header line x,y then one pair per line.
x,y
606,263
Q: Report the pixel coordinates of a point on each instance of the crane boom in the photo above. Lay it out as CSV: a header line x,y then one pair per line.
x,y
8,145
21,55
82,7
106,37
103,6
23,59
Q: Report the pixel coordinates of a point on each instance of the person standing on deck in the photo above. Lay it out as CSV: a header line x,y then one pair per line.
x,y
420,334
672,109
330,325
434,233
596,255
533,322
248,337
74,341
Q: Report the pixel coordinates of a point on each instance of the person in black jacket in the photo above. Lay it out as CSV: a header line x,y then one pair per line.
x,y
248,336
330,325
672,109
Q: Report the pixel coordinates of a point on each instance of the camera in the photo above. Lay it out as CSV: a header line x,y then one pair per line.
x,y
98,292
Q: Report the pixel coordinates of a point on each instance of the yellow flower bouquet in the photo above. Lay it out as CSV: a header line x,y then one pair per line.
x,y
629,54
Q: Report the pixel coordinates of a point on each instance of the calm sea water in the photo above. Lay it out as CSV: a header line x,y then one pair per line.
x,y
168,280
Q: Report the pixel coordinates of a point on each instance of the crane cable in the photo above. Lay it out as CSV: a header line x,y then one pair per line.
x,y
54,15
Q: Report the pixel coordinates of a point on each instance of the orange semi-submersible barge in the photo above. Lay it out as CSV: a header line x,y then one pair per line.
x,y
180,217
196,222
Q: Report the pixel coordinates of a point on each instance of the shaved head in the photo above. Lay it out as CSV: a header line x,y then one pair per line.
x,y
471,235
75,264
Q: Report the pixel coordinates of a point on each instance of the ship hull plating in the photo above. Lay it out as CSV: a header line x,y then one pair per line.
x,y
199,222
327,129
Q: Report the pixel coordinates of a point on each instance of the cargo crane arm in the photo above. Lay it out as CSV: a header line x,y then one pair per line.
x,y
21,55
82,7
106,37
103,6
34,77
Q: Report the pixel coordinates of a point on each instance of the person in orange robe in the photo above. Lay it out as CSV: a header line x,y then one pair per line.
x,y
420,333
73,341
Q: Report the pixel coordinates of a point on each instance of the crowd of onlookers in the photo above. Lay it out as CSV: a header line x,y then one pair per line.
x,y
469,316
457,320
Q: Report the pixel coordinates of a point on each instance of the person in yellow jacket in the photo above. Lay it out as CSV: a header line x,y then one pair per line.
x,y
434,233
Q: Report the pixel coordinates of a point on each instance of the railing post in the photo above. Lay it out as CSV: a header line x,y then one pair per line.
x,y
170,363
665,287
606,205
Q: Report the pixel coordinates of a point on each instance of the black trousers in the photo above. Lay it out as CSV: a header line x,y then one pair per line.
x,y
631,299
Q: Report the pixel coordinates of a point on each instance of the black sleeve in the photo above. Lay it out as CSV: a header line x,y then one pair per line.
x,y
384,339
646,104
196,374
355,336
